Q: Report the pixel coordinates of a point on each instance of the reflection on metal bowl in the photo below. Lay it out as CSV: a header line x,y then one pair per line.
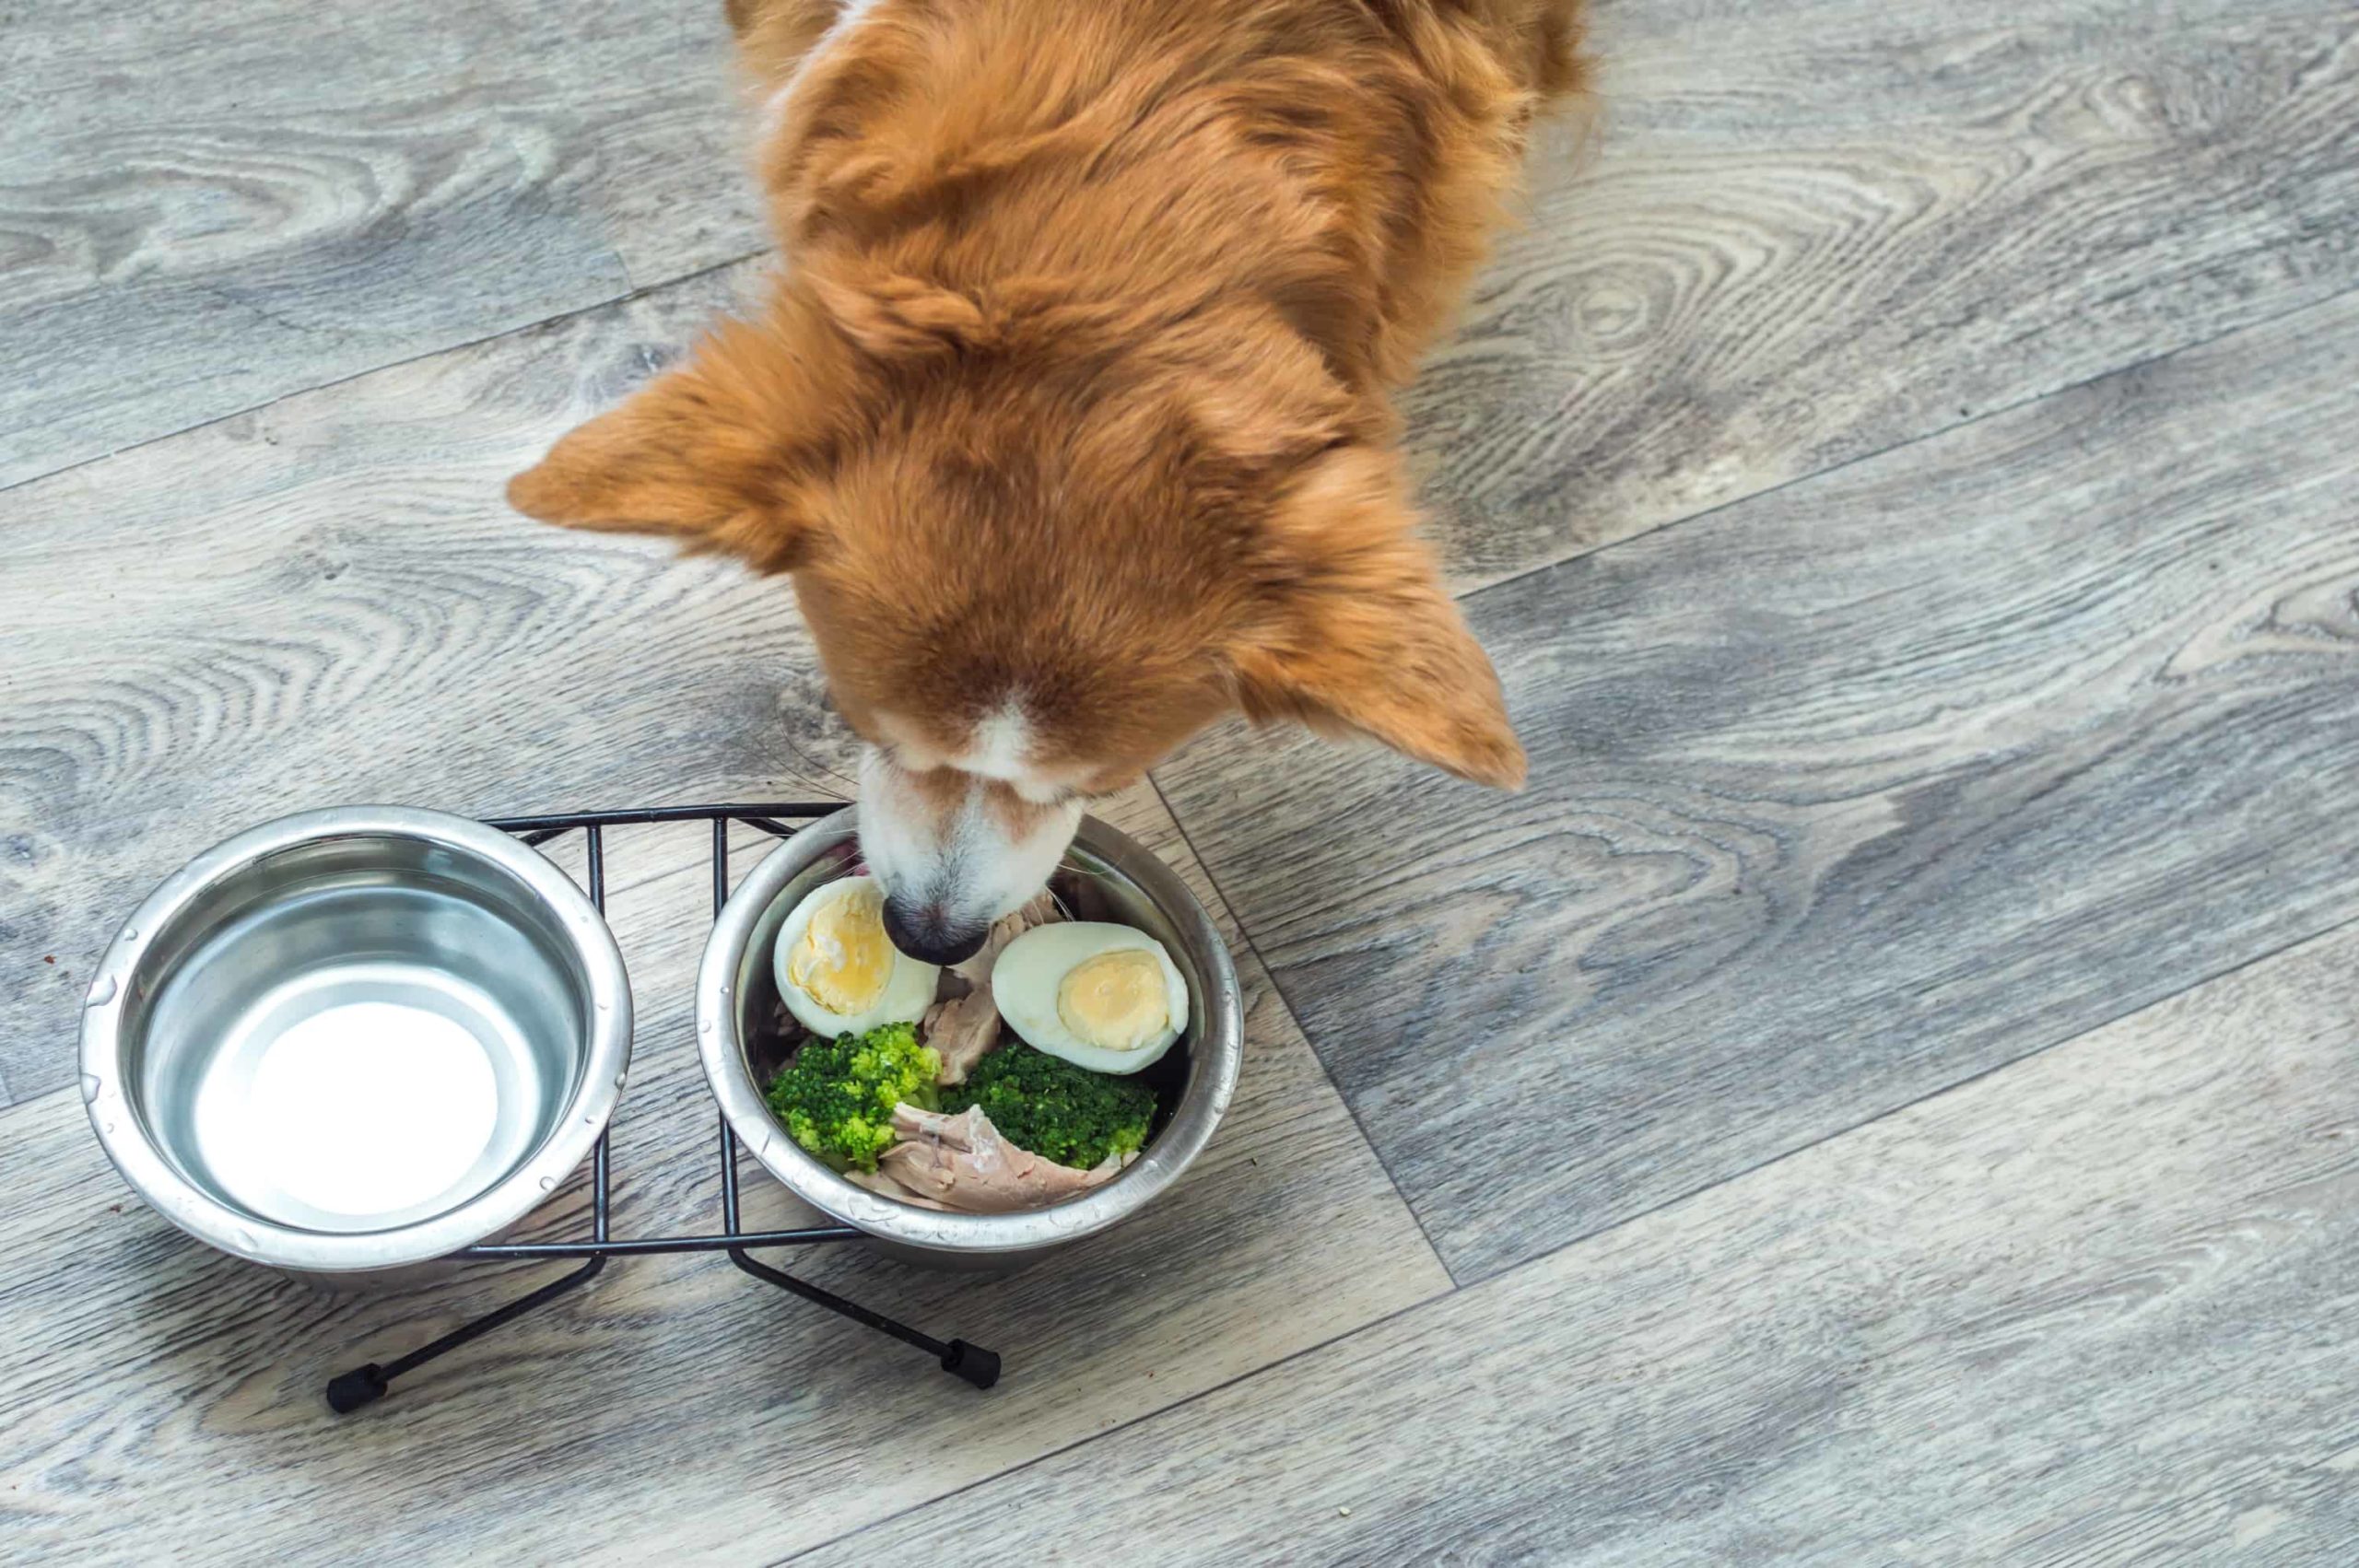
x,y
356,1039
1106,875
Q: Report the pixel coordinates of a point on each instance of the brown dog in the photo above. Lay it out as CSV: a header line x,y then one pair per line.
x,y
1069,412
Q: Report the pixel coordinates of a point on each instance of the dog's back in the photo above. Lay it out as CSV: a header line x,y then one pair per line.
x,y
1343,160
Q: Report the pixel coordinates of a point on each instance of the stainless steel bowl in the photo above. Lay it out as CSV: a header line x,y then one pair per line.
x,y
356,1039
1106,875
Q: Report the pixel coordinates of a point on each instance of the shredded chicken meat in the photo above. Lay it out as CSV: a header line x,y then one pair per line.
x,y
883,1185
963,1030
961,1162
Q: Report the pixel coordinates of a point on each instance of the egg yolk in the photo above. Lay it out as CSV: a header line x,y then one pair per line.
x,y
844,959
1114,1000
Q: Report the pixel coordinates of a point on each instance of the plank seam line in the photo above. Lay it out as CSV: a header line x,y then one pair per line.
x,y
1519,1266
1062,1449
2123,368
458,345
1285,1002
2323,934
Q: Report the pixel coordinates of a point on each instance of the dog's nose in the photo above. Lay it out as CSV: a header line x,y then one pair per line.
x,y
927,933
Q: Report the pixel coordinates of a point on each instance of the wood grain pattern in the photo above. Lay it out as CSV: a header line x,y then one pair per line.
x,y
1815,229
1840,796
205,206
1790,201
159,1403
329,601
1845,794
2097,1308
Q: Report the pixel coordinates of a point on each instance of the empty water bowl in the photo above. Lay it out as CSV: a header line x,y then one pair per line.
x,y
356,1039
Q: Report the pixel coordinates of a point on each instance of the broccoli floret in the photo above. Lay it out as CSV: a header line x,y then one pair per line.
x,y
836,1098
1058,1111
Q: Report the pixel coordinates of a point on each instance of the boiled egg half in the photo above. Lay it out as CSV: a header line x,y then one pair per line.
x,y
837,972
1103,997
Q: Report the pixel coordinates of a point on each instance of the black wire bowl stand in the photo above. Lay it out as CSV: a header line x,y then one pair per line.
x,y
366,1384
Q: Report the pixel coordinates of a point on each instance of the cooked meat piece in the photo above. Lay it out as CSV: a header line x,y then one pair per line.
x,y
1037,910
883,1185
961,1162
963,1030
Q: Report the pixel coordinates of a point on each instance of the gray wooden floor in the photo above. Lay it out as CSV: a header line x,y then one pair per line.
x,y
1889,1092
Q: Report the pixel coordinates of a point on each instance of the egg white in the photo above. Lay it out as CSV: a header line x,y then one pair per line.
x,y
1026,979
909,985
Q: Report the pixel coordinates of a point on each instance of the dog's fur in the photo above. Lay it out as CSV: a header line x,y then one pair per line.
x,y
1069,412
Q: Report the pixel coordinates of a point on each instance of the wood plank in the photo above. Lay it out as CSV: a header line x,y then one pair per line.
x,y
161,1403
2095,1308
328,602
305,208
205,206
1840,795
1815,229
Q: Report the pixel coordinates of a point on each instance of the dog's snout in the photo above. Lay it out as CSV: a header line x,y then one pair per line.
x,y
926,933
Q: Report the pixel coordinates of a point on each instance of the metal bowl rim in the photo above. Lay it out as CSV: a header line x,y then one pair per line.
x,y
1220,1037
121,1129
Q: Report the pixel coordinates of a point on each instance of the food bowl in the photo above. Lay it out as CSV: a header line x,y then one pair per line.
x,y
356,1040
1106,875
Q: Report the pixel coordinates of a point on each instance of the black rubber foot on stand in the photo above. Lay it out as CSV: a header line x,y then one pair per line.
x,y
361,1385
975,1364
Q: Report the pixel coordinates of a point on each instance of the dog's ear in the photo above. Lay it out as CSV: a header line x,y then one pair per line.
x,y
702,454
1352,629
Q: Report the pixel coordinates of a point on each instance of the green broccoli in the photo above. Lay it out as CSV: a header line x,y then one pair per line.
x,y
1057,1110
836,1098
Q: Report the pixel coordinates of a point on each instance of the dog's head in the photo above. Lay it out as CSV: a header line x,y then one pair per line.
x,y
1038,546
